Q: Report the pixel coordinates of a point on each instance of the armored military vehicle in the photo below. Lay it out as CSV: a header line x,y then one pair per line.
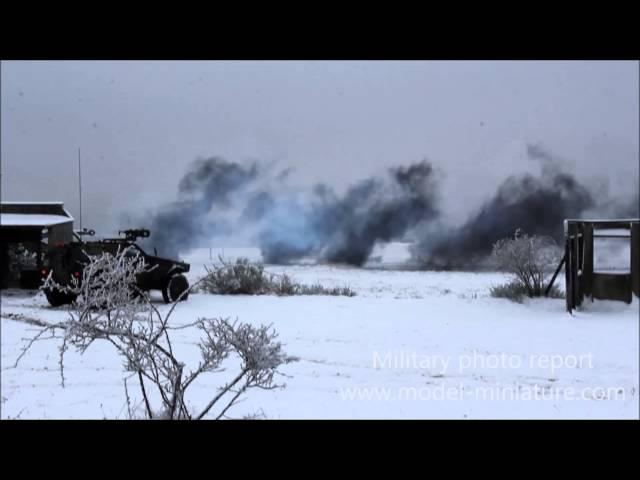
x,y
68,260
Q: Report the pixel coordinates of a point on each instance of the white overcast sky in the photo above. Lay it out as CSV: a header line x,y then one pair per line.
x,y
139,124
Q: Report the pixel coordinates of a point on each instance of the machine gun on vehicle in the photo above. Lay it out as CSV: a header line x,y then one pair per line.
x,y
84,232
133,234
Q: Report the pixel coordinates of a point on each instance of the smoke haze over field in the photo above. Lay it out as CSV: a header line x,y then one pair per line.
x,y
221,199
218,198
323,158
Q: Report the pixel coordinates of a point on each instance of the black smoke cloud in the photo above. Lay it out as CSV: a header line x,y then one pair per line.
x,y
345,229
375,212
537,204
288,224
209,186
218,198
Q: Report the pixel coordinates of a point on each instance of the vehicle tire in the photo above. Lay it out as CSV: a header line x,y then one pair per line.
x,y
57,298
174,287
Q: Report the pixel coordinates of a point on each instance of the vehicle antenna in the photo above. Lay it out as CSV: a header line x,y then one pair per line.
x,y
80,187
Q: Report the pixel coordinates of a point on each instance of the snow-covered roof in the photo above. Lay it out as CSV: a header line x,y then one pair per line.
x,y
32,220
33,203
33,213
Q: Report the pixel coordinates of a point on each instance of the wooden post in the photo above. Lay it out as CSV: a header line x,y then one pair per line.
x,y
553,279
587,260
575,279
635,258
567,272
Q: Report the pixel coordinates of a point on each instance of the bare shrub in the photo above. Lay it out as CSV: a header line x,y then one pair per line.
x,y
283,285
530,259
513,290
108,309
246,278
237,278
318,289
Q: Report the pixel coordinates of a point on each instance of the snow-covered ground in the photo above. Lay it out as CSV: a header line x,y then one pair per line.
x,y
410,345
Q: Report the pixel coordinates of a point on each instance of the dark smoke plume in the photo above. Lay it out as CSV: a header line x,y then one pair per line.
x,y
209,185
536,204
218,198
368,214
345,229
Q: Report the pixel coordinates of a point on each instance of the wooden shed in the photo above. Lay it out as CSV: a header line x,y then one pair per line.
x,y
27,229
592,270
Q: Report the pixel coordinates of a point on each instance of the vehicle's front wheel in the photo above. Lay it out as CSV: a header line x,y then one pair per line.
x,y
176,285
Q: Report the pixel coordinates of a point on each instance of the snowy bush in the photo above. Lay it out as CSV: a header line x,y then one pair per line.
x,y
515,291
23,255
530,259
246,278
237,278
109,309
318,289
283,285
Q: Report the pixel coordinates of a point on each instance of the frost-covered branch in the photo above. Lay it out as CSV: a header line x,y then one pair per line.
x,y
529,258
109,307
